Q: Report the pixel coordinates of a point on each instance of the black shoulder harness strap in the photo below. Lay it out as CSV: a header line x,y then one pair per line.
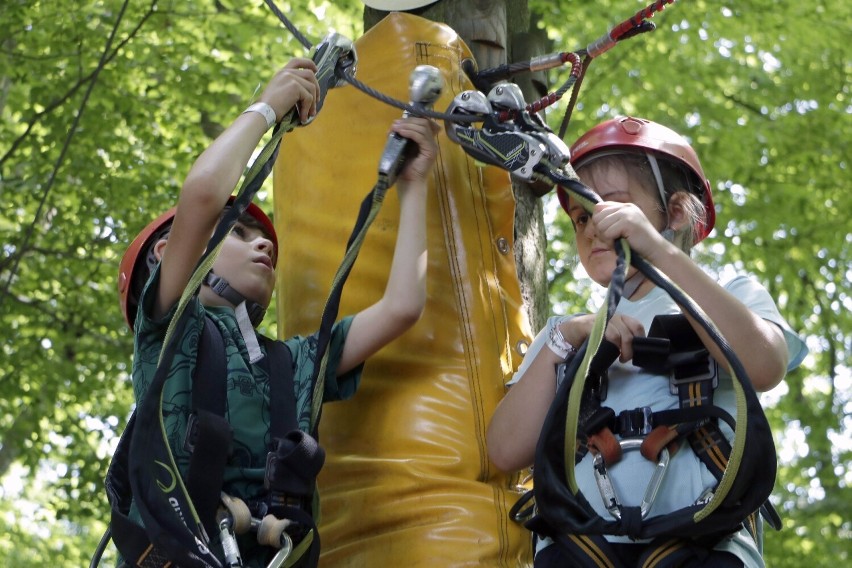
x,y
208,434
208,438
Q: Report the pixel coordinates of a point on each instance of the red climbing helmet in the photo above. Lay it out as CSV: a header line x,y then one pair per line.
x,y
637,133
136,254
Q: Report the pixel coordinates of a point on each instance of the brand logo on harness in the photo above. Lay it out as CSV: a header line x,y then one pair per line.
x,y
176,506
203,549
166,488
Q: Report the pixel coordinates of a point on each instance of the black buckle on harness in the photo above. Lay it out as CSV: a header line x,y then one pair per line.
x,y
691,367
603,417
634,423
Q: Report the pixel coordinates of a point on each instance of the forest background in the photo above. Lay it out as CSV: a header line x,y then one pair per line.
x,y
104,105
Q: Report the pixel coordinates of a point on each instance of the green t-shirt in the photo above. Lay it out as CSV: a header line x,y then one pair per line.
x,y
247,401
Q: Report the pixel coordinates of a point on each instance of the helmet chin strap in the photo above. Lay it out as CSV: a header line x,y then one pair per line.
x,y
668,233
249,313
631,285
223,289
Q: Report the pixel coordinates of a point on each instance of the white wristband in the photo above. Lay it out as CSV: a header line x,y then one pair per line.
x,y
265,110
556,342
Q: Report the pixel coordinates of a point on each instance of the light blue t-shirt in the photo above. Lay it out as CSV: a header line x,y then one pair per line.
x,y
630,387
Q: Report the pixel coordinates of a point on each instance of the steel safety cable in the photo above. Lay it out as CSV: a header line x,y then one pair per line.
x,y
300,37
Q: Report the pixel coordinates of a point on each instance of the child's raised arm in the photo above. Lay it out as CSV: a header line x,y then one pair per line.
x,y
216,172
759,344
405,293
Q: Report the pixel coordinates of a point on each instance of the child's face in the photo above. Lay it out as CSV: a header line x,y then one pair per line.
x,y
246,262
612,180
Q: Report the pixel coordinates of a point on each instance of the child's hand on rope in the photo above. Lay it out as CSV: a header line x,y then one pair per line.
x,y
614,220
620,331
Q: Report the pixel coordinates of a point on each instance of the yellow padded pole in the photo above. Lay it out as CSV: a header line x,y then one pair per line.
x,y
407,481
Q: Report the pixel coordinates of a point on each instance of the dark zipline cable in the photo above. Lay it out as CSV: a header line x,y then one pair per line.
x,y
289,25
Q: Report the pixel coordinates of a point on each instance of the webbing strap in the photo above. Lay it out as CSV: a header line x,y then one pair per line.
x,y
594,551
369,209
208,434
575,395
282,391
666,553
588,551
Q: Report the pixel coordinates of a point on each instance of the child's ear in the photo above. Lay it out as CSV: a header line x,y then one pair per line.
x,y
159,247
678,218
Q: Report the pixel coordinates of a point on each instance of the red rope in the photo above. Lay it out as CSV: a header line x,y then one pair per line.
x,y
618,31
547,100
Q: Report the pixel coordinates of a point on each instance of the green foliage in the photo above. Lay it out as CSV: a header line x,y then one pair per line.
x,y
103,110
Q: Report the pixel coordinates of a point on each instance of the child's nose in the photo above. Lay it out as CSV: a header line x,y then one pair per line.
x,y
264,244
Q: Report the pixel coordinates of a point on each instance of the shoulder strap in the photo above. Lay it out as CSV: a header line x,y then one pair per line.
x,y
278,364
208,434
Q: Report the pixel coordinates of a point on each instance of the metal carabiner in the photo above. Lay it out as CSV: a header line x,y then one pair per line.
x,y
610,499
283,554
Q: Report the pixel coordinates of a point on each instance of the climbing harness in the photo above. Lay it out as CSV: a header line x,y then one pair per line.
x,y
208,439
512,139
176,515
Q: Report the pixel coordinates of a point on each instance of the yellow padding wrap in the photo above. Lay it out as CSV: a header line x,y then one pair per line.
x,y
407,481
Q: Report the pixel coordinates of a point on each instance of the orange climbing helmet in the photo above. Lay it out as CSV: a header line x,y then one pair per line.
x,y
631,133
137,254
